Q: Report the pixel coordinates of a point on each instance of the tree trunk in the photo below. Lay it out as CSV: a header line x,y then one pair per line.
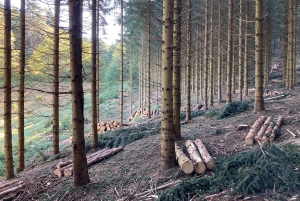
x,y
246,51
199,165
256,126
290,84
131,91
121,69
94,77
9,167
21,150
259,99
211,68
229,52
210,164
176,69
167,128
189,64
80,175
240,52
149,62
219,55
183,161
205,70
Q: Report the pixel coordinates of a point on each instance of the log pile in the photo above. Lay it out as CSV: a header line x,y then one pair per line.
x,y
106,126
11,186
263,130
142,113
199,160
65,168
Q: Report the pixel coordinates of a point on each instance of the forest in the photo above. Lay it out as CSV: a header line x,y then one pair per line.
x,y
196,100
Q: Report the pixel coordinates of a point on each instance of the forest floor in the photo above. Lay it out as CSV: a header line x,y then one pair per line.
x,y
137,168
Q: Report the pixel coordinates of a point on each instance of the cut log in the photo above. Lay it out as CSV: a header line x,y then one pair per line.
x,y
255,127
115,123
13,189
276,128
96,159
102,123
103,128
269,129
8,183
198,107
60,172
274,98
242,127
263,128
108,128
209,162
184,162
199,165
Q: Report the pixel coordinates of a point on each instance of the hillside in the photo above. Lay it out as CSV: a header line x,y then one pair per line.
x,y
137,168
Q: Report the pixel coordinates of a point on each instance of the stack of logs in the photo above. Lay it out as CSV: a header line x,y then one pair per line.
x,y
263,130
143,113
7,187
200,158
65,168
107,126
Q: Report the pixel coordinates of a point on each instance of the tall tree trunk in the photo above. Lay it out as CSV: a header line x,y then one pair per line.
x,y
149,62
94,76
219,55
130,60
189,66
197,62
229,52
80,171
167,129
241,51
177,67
246,50
21,150
121,69
98,61
259,99
290,84
205,76
9,167
211,67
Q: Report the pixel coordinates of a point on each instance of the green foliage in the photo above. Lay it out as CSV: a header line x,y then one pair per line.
x,y
234,108
249,172
193,114
211,113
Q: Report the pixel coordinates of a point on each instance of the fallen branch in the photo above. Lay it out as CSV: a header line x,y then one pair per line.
x,y
293,134
11,190
214,195
158,188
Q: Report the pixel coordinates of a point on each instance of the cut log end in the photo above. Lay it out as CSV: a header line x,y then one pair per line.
x,y
58,173
187,167
249,141
200,168
210,165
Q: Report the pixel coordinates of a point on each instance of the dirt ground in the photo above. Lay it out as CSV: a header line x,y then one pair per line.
x,y
137,168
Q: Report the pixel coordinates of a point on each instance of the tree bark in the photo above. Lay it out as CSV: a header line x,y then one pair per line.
x,y
176,68
149,62
211,67
199,165
121,69
259,99
210,164
21,150
255,127
189,64
205,70
94,77
80,175
246,51
167,128
240,52
183,161
229,52
9,167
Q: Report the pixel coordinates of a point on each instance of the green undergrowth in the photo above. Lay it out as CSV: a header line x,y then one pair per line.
x,y
126,135
258,170
193,114
234,108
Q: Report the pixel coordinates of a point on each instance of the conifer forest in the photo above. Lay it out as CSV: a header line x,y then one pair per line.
x,y
149,100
